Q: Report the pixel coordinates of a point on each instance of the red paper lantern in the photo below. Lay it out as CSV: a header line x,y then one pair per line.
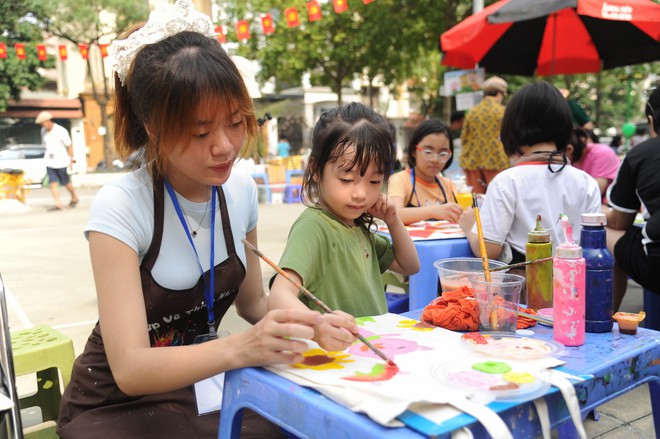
x,y
313,11
84,50
340,6
292,17
20,50
64,53
267,24
222,38
242,30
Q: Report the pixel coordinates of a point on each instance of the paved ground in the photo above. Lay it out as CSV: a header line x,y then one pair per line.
x,y
45,266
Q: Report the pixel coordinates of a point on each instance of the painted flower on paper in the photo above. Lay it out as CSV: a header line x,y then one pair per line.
x,y
360,321
415,325
379,372
318,359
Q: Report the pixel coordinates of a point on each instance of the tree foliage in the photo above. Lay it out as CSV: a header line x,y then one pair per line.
x,y
16,74
383,38
91,22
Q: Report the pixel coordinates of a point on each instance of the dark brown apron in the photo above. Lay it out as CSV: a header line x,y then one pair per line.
x,y
93,405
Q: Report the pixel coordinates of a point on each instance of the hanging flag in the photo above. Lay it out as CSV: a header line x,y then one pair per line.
x,y
366,2
242,30
340,6
3,51
104,50
64,53
222,38
41,52
267,24
20,50
292,17
84,50
313,11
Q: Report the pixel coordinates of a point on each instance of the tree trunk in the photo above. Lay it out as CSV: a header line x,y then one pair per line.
x,y
338,91
102,102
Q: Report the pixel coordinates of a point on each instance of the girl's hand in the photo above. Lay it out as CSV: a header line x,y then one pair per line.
x,y
448,211
336,332
273,339
467,220
384,209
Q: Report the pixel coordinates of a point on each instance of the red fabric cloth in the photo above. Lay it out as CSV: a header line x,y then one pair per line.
x,y
457,310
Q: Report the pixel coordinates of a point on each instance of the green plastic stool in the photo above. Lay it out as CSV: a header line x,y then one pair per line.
x,y
43,350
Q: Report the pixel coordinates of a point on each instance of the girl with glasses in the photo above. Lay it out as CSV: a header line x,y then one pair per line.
x,y
422,192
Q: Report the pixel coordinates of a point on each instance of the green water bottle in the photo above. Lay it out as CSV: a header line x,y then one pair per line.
x,y
539,276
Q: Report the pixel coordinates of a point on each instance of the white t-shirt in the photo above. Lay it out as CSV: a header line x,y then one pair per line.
x,y
518,194
57,142
124,209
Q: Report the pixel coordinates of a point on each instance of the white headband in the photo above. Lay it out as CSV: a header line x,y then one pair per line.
x,y
164,21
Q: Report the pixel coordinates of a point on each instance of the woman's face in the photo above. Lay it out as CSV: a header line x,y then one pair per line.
x,y
206,159
431,156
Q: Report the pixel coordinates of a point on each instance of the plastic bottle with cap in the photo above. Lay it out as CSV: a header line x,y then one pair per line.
x,y
568,292
539,275
599,273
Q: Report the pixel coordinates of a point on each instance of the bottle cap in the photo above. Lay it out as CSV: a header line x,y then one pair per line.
x,y
538,234
568,249
593,219
569,252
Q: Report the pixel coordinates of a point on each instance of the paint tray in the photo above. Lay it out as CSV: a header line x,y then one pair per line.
x,y
511,346
501,380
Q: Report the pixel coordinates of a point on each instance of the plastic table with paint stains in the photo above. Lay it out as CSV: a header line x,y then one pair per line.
x,y
611,363
423,285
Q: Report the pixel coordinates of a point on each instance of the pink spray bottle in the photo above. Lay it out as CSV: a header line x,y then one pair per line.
x,y
568,292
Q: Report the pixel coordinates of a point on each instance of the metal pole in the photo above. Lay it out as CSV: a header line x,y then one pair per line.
x,y
477,6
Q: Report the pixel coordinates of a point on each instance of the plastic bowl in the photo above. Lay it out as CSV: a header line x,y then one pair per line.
x,y
454,272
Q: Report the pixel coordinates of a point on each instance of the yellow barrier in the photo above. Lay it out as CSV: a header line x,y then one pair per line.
x,y
11,185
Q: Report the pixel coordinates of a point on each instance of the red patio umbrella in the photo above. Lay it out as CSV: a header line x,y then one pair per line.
x,y
550,37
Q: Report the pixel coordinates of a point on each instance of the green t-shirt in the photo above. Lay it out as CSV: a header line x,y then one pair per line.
x,y
330,259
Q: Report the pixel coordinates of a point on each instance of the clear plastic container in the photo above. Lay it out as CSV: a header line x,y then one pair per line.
x,y
454,272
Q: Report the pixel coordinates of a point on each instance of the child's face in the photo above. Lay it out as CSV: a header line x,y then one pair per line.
x,y
345,192
207,158
431,155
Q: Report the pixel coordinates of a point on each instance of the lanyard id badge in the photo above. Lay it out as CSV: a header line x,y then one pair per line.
x,y
208,392
209,284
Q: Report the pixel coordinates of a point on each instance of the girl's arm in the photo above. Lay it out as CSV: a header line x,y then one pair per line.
x,y
337,329
406,260
140,369
448,211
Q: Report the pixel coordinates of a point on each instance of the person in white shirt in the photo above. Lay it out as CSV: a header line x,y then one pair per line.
x,y
535,131
59,157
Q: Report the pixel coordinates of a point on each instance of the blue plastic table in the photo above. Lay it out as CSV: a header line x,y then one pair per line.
x,y
423,286
613,363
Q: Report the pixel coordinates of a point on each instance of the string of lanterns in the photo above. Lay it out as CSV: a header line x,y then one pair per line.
x,y
291,14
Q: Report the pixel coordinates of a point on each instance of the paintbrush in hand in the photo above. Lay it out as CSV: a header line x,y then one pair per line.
x,y
314,299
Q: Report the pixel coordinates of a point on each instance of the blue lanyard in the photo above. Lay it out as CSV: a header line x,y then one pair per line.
x,y
208,287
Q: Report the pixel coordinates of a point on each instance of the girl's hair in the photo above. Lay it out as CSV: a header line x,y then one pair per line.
x,y
167,87
578,141
348,126
653,108
427,127
536,113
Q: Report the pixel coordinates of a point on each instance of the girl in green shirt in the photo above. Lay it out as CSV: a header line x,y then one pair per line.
x,y
330,249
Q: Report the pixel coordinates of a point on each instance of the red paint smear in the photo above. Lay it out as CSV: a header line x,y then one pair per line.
x,y
388,372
